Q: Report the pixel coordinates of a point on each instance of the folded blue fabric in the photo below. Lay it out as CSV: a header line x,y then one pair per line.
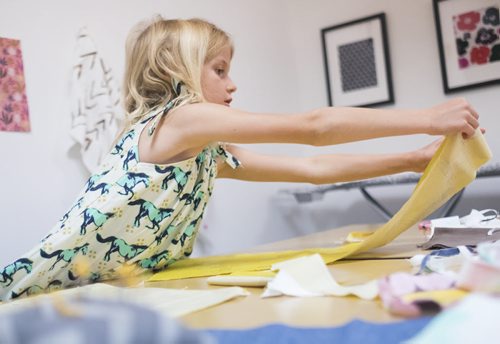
x,y
356,331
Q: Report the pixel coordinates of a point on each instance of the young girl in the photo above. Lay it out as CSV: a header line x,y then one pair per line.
x,y
144,206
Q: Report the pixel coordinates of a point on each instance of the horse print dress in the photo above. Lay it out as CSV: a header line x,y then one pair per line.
x,y
142,215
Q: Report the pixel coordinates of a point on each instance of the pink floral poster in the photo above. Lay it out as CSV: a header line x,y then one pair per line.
x,y
477,36
14,115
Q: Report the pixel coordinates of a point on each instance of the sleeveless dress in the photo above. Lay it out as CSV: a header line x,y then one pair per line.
x,y
142,215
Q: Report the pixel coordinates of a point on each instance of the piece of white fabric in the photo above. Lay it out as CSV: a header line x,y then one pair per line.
x,y
445,265
94,98
489,252
482,272
173,302
309,276
486,218
416,260
477,275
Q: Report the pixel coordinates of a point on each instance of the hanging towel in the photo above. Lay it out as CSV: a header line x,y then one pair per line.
x,y
95,99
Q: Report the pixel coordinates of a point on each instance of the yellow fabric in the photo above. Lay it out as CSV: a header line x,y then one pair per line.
x,y
442,297
452,168
357,236
254,273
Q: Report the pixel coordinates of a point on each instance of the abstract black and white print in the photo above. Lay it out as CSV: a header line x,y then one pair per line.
x,y
357,65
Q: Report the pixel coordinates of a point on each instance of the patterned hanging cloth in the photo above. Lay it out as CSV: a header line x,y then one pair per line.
x,y
95,98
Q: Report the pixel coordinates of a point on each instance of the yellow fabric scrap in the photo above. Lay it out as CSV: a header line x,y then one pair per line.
x,y
452,168
443,297
254,273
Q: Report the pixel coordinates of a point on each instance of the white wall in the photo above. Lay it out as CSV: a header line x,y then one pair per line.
x,y
278,67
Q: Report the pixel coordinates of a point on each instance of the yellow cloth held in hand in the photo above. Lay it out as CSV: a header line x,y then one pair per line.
x,y
452,168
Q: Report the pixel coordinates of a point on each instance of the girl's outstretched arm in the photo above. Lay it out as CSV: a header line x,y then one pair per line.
x,y
324,169
200,124
190,128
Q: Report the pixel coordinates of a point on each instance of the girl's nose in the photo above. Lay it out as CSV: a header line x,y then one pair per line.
x,y
231,87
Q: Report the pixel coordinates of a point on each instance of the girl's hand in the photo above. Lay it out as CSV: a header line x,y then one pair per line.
x,y
423,156
453,116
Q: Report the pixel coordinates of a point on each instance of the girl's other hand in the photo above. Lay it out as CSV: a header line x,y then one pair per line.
x,y
453,116
423,156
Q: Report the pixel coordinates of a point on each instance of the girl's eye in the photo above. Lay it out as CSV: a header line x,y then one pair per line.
x,y
220,72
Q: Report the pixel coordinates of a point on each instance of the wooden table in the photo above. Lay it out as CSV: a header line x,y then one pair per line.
x,y
253,311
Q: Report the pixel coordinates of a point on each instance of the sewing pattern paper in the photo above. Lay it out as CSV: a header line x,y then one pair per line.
x,y
452,168
95,98
14,114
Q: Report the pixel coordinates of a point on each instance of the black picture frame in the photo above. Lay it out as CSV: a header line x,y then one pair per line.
x,y
357,62
462,48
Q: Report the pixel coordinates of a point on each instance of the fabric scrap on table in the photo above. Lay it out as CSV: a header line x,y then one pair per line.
x,y
476,227
309,276
486,218
356,331
172,302
446,261
473,320
489,252
416,295
482,273
452,168
241,281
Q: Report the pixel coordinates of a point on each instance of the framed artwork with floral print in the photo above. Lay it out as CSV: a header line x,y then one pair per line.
x,y
14,114
468,34
357,64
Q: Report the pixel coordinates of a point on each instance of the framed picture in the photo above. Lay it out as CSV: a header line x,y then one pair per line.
x,y
357,64
468,34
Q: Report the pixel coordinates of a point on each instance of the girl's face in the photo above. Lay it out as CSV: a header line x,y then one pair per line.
x,y
216,84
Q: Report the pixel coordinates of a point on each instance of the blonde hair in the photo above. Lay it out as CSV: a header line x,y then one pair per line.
x,y
160,54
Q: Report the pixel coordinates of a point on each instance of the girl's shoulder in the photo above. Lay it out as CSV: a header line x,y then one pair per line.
x,y
199,108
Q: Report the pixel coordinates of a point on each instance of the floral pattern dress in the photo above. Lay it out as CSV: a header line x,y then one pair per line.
x,y
132,213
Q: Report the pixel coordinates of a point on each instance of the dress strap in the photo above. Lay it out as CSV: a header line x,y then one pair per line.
x,y
220,149
161,112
